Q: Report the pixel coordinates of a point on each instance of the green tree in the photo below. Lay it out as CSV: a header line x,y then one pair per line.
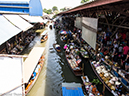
x,y
62,9
45,10
49,11
83,1
54,8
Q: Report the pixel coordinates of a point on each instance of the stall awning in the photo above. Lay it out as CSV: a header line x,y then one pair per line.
x,y
11,75
33,19
7,30
72,89
31,62
19,22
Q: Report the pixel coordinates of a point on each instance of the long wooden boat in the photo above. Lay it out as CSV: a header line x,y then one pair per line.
x,y
108,82
118,73
72,89
32,67
55,47
44,36
74,65
89,87
121,77
63,38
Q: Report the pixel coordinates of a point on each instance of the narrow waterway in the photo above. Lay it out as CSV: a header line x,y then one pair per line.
x,y
55,69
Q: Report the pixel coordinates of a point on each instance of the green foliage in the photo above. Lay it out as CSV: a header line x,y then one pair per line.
x,y
54,8
49,11
63,9
96,81
83,1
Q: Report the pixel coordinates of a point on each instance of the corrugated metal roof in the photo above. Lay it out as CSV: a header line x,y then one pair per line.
x,y
91,5
15,1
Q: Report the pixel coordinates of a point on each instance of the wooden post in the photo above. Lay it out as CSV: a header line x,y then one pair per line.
x,y
107,20
118,28
82,69
103,89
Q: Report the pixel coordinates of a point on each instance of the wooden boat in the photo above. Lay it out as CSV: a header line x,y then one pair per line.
x,y
44,36
84,53
32,67
88,87
74,63
116,71
121,76
63,38
72,89
57,47
107,79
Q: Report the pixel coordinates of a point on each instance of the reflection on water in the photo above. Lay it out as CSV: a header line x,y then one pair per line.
x,y
55,69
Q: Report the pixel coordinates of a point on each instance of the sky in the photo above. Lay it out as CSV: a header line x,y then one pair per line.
x,y
48,4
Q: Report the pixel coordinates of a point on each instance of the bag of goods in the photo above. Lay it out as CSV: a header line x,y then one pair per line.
x,y
106,74
109,84
108,78
113,88
103,78
106,81
101,75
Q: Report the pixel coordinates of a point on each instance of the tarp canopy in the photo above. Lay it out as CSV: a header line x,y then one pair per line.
x,y
31,62
78,22
89,30
19,22
7,30
11,75
33,19
72,89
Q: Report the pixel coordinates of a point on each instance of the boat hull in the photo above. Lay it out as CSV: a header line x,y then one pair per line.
x,y
101,79
44,39
37,75
76,72
56,49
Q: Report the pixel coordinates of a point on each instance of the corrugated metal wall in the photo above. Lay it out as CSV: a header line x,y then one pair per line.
x,y
33,7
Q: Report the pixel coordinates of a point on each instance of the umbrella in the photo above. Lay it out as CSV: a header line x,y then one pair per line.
x,y
63,32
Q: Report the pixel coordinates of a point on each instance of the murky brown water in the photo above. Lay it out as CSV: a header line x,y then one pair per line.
x,y
55,69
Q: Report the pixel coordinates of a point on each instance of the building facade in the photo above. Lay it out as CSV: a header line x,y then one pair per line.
x,y
31,7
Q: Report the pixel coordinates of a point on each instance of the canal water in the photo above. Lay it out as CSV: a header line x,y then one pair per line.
x,y
55,70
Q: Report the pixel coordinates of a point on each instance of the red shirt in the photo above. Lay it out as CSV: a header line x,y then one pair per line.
x,y
123,36
125,50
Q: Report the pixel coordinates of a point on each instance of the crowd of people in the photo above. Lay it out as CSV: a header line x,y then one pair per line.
x,y
114,47
117,47
17,46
